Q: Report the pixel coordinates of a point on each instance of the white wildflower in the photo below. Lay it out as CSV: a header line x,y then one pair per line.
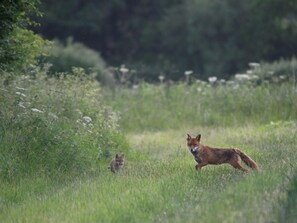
x,y
87,119
21,94
212,79
282,77
21,104
249,72
124,69
254,77
254,65
203,83
161,78
242,77
135,86
36,110
188,72
20,88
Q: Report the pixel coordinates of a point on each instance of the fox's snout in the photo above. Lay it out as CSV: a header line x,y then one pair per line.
x,y
194,149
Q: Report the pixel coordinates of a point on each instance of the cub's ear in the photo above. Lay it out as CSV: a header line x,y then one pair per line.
x,y
198,137
189,137
123,155
117,156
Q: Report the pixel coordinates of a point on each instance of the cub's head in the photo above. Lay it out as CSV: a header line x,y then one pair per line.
x,y
120,160
193,143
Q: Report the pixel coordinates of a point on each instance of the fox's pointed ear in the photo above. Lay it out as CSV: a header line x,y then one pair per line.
x,y
198,137
189,137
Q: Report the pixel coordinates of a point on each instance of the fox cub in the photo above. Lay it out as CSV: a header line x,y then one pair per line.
x,y
117,163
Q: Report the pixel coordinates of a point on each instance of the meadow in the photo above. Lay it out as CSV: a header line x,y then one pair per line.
x,y
58,136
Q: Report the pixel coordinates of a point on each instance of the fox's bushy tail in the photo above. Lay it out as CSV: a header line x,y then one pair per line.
x,y
248,160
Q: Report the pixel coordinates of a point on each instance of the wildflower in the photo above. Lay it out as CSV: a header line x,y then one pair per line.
x,y
254,65
20,88
282,77
212,79
36,110
242,77
188,72
135,86
87,119
161,78
124,69
21,104
254,77
21,94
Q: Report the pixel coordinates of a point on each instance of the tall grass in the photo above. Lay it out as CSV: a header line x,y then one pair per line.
x,y
163,186
159,107
57,134
54,127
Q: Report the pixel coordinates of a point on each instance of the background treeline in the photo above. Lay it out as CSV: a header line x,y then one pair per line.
x,y
217,37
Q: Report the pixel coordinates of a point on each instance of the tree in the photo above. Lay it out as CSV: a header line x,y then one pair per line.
x,y
218,37
19,46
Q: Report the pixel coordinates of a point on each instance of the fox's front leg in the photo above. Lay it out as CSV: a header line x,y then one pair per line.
x,y
200,165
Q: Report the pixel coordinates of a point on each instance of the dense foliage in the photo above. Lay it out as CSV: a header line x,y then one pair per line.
x,y
210,37
63,58
19,46
55,127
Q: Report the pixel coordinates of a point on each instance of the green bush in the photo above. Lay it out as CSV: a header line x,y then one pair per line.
x,y
64,57
19,47
55,127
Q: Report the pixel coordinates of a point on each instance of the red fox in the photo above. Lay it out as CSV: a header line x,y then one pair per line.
x,y
205,155
117,163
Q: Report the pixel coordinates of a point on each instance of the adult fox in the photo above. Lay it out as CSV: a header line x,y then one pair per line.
x,y
205,155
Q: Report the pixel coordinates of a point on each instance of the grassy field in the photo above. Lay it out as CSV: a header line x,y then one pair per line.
x,y
58,136
160,184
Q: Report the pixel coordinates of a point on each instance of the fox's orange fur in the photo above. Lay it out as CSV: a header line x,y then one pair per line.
x,y
205,155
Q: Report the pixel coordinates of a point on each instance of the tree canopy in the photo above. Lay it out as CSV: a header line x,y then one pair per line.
x,y
19,46
217,37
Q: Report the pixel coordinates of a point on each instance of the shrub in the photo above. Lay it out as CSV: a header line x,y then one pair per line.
x,y
54,127
19,47
64,57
